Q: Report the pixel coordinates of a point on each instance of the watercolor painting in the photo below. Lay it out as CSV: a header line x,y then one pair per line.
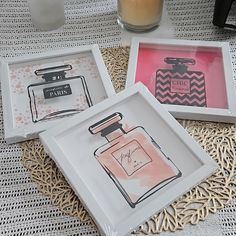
x,y
25,93
183,75
57,95
132,159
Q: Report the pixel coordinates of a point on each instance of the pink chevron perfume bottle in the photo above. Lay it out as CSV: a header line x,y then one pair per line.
x,y
180,86
132,159
57,95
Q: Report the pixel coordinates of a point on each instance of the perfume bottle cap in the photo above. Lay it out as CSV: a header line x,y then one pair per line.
x,y
179,64
53,73
107,125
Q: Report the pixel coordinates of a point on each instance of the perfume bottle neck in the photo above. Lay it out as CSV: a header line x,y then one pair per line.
x,y
54,76
113,131
180,68
180,65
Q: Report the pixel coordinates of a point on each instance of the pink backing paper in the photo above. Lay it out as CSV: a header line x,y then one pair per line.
x,y
209,60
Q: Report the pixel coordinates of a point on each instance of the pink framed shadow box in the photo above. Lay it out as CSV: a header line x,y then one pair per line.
x,y
192,79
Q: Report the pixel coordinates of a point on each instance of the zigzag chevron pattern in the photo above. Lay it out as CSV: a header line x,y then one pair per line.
x,y
188,75
196,97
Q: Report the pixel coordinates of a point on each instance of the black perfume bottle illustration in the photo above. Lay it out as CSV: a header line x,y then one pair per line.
x,y
57,96
179,85
132,159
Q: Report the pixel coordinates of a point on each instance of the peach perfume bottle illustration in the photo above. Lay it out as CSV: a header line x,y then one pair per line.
x,y
132,159
57,95
179,85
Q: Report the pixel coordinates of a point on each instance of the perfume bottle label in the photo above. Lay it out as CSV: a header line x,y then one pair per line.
x,y
57,91
180,86
180,89
132,157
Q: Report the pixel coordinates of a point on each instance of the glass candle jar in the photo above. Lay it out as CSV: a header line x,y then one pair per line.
x,y
139,15
47,14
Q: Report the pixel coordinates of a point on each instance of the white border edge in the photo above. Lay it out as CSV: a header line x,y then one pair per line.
x,y
14,135
190,112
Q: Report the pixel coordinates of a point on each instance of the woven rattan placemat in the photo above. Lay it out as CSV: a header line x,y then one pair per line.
x,y
217,139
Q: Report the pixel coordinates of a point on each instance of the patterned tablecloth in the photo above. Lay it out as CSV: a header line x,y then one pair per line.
x,y
25,211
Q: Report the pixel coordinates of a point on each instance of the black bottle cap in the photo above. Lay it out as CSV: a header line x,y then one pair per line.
x,y
53,73
107,125
179,64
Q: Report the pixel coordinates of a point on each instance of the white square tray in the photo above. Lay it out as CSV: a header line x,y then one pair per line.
x,y
33,90
126,173
192,79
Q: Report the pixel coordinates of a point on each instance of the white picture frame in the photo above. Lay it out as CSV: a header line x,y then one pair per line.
x,y
148,60
19,81
73,145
